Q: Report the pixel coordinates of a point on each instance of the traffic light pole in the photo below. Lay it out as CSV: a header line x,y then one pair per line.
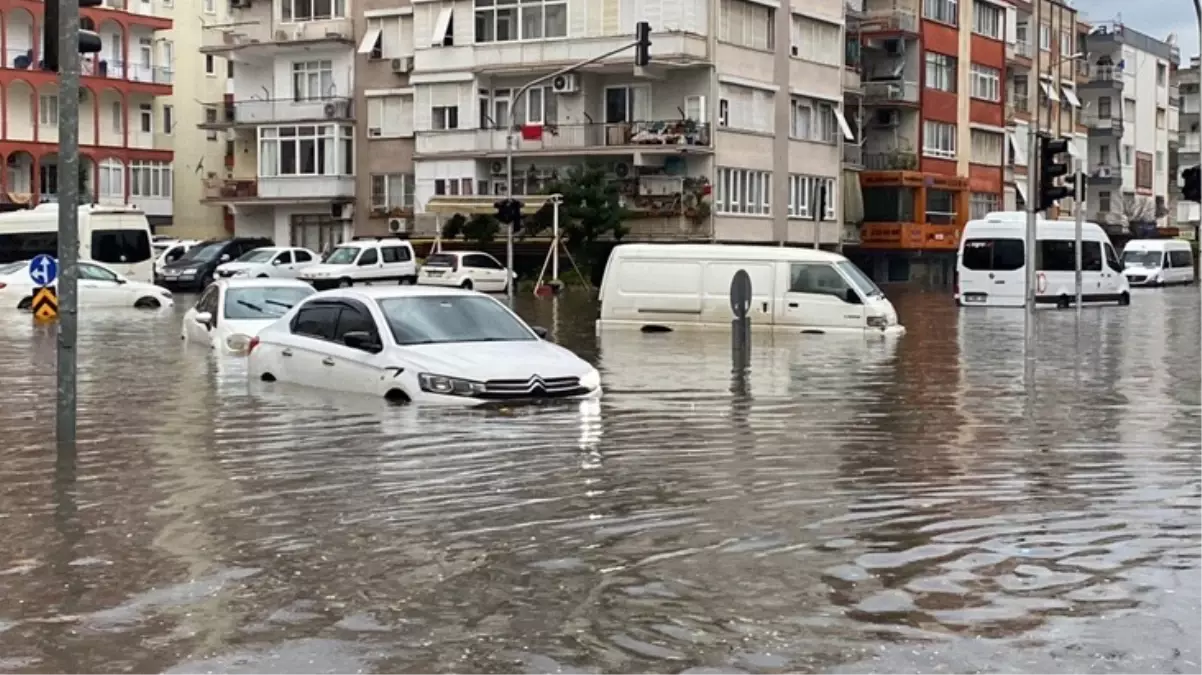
x,y
1078,226
511,141
68,221
1033,193
1198,224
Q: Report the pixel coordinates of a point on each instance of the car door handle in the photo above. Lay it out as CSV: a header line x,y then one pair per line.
x,y
286,352
327,361
793,304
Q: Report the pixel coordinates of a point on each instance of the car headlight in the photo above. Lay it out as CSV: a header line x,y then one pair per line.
x,y
591,380
449,386
238,343
188,273
878,321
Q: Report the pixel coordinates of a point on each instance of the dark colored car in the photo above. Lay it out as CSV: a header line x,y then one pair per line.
x,y
195,269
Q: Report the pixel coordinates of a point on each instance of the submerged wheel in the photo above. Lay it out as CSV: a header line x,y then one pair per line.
x,y
397,397
344,283
267,377
1062,302
466,285
1125,299
26,303
147,303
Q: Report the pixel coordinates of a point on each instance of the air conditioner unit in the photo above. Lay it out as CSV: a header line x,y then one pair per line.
x,y
498,168
398,225
621,169
565,84
1102,172
402,64
373,132
335,110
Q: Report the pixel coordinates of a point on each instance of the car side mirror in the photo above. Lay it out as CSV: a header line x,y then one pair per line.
x,y
277,261
204,318
540,332
361,340
851,297
121,281
225,257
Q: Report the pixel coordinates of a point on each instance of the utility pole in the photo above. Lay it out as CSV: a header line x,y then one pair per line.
x,y
1198,224
1078,226
1033,197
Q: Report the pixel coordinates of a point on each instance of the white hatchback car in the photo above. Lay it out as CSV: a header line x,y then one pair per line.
x,y
465,269
99,286
279,262
419,344
366,261
232,311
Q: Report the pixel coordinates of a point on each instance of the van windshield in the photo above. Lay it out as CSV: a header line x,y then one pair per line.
x,y
121,246
26,245
863,284
1141,258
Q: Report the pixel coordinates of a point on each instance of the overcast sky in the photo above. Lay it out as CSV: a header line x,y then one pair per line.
x,y
1157,18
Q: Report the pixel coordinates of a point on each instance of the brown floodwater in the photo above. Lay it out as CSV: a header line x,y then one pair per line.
x,y
853,506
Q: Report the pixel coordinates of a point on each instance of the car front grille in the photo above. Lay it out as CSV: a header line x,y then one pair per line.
x,y
533,388
1137,279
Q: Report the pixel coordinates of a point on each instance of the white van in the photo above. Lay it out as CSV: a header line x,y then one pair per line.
x,y
364,261
669,287
118,236
1158,262
991,264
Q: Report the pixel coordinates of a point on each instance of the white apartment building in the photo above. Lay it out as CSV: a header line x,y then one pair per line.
x,y
1189,149
1128,160
289,172
729,81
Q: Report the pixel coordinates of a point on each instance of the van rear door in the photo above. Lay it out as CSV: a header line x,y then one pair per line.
x,y
992,269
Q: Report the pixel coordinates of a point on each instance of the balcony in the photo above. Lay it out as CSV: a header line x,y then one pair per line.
x,y
851,80
891,92
1021,50
281,189
265,111
1105,173
1105,76
895,160
92,67
671,136
853,155
895,21
265,38
910,236
1103,123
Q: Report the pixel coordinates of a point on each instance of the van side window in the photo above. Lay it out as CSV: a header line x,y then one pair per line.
x,y
1091,257
121,246
1181,258
1001,255
369,257
1112,258
820,278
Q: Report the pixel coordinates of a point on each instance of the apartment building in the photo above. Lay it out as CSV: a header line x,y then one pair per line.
x,y
288,123
693,140
125,149
1133,115
1047,98
1188,150
933,74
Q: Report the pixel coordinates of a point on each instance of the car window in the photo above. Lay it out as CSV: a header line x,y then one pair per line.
x,y
395,254
1001,255
96,273
1181,258
1112,258
482,262
207,300
451,318
1091,257
284,258
442,260
369,257
302,256
343,255
121,246
819,278
263,302
316,321
258,255
354,318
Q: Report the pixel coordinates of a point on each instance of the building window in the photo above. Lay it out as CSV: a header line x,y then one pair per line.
x,y
981,204
938,139
452,186
48,110
812,120
744,191
987,147
210,118
941,207
1161,74
941,72
118,115
1104,107
1066,45
168,119
210,6
540,105
1159,161
146,118
210,65
1160,117
747,108
986,83
112,179
504,21
747,24
312,80
444,117
943,11
312,150
1045,37
389,116
312,10
1104,202
816,41
1128,155
987,19
1143,171
150,179
392,191
804,196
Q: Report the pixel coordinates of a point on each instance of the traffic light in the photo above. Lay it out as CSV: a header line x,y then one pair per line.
x,y
1190,189
642,47
89,41
1051,168
509,211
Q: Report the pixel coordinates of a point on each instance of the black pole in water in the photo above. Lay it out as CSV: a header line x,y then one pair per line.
x,y
740,327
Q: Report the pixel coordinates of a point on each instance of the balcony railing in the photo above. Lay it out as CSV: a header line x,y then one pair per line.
x,y
887,21
226,37
1105,171
308,187
642,135
853,154
259,111
1099,122
90,66
1022,48
892,91
1112,74
897,160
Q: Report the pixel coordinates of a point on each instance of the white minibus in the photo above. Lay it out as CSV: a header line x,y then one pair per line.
x,y
1158,262
991,264
669,287
118,236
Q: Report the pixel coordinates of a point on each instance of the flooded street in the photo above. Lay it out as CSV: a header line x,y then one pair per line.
x,y
851,507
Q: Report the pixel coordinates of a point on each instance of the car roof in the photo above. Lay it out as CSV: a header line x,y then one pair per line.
x,y
375,241
739,252
263,283
460,253
389,292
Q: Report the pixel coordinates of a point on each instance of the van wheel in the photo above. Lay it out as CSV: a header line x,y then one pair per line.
x,y
344,283
261,276
1062,302
1124,299
267,377
397,397
466,285
147,303
25,304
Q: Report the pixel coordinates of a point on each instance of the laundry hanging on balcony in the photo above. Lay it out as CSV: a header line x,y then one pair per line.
x,y
532,132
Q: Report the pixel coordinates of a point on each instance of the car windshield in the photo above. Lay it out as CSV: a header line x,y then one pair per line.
x,y
258,255
263,302
430,319
441,260
1141,258
860,280
343,255
204,252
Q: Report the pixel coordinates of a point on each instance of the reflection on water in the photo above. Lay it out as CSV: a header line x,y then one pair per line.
x,y
853,505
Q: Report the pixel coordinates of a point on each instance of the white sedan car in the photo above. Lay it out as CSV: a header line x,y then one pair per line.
x,y
232,311
278,262
99,286
472,270
419,344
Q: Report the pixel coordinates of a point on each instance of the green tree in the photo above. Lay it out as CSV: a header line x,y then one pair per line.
x,y
481,228
591,209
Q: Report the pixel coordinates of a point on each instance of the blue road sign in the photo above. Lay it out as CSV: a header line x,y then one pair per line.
x,y
43,270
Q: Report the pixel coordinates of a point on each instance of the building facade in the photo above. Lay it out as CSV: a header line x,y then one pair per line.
x,y
125,140
1134,115
1189,144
